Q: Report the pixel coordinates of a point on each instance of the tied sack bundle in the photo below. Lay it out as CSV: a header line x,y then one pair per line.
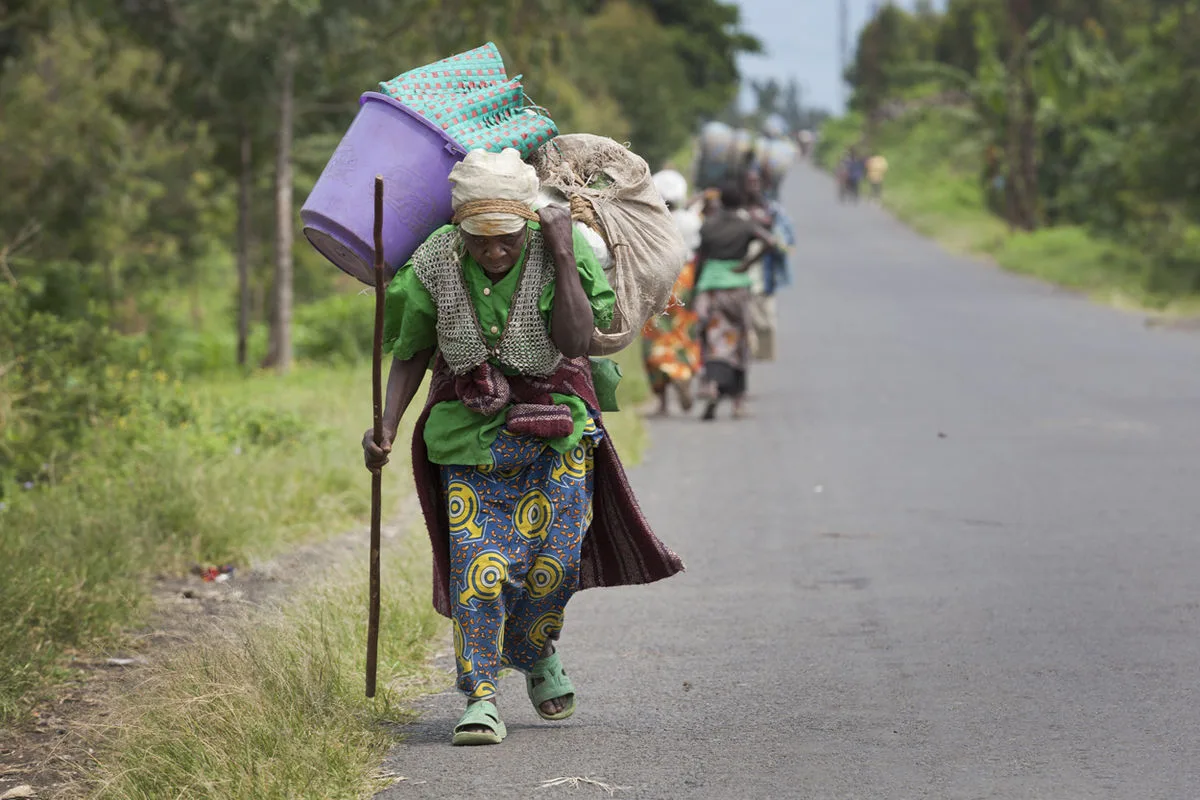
x,y
609,188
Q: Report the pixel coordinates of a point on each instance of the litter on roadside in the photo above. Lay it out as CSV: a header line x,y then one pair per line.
x,y
215,574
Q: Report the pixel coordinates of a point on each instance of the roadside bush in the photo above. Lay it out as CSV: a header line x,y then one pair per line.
x,y
54,386
336,330
178,473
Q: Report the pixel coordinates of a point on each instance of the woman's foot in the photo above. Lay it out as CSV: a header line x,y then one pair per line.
x,y
661,410
554,708
476,728
685,395
479,724
739,408
710,411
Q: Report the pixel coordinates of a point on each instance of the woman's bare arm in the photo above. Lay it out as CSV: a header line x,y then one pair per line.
x,y
770,245
404,380
571,320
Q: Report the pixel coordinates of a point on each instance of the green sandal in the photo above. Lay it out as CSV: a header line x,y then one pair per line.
x,y
554,683
481,713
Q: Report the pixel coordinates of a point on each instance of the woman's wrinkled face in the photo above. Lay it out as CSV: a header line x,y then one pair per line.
x,y
496,254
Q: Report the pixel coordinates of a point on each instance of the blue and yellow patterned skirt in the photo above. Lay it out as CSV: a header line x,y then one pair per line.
x,y
516,529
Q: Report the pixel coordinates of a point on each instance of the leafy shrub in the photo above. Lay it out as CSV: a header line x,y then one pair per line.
x,y
54,384
213,472
338,329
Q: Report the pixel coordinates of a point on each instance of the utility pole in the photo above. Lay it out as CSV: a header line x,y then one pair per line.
x,y
844,33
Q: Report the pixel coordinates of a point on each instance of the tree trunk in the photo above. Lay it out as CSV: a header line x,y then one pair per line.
x,y
1014,196
280,355
245,179
1029,137
1022,130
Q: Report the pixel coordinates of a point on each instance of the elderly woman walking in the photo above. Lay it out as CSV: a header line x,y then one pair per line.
x,y
524,497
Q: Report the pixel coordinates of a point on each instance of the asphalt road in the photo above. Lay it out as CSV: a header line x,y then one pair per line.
x,y
955,554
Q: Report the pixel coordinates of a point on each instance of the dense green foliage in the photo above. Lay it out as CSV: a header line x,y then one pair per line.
x,y
1074,113
140,154
142,163
179,474
933,187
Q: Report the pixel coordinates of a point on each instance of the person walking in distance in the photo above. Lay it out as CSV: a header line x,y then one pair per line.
x,y
854,175
770,272
670,351
723,299
877,167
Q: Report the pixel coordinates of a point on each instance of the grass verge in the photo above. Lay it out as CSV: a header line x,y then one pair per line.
x,y
196,473
626,428
933,186
274,706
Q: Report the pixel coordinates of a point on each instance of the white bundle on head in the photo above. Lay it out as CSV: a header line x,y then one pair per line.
x,y
484,176
715,139
689,223
743,141
672,186
777,157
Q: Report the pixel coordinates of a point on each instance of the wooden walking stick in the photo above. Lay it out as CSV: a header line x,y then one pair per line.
x,y
377,477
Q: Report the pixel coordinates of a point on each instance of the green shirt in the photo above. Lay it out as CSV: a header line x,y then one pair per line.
x,y
720,274
454,434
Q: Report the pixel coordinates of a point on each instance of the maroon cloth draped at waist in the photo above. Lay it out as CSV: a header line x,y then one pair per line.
x,y
619,549
531,409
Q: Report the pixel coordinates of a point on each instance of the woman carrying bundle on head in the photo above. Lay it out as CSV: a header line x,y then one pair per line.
x,y
669,348
773,272
524,497
723,298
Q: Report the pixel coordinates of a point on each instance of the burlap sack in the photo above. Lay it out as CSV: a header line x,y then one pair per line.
x,y
609,188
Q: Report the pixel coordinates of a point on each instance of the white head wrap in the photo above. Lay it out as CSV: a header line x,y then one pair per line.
x,y
484,176
672,186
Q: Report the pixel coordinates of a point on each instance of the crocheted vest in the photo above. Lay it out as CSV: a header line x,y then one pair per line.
x,y
525,346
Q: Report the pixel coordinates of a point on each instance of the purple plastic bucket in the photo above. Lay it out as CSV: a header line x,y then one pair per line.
x,y
414,157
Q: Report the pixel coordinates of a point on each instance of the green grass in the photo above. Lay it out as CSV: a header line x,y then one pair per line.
x,y
626,428
933,186
274,708
227,471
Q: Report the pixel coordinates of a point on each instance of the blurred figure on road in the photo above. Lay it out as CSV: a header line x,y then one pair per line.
x,y
855,169
841,176
771,273
877,167
670,351
723,298
805,139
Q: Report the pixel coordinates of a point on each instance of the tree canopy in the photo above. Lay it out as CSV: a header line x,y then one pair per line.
x,y
1089,107
153,155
